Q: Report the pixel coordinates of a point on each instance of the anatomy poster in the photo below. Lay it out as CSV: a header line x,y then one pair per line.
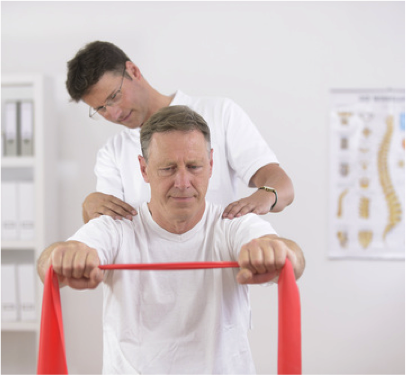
x,y
367,174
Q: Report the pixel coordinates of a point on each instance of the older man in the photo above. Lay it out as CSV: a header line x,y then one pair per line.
x,y
174,321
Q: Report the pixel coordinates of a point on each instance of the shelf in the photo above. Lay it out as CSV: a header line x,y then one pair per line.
x,y
17,245
19,326
40,170
18,80
17,162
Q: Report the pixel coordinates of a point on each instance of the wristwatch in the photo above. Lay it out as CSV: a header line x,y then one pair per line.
x,y
271,190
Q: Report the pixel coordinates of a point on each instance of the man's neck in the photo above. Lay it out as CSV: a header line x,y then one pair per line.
x,y
175,224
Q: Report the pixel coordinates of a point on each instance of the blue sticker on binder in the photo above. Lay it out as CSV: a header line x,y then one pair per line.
x,y
402,121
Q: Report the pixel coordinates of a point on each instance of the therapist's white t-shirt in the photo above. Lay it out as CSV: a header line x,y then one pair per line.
x,y
239,152
174,322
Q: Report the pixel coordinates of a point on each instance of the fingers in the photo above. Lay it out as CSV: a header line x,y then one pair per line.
x,y
116,208
96,277
97,204
246,277
257,203
253,257
238,209
77,265
261,260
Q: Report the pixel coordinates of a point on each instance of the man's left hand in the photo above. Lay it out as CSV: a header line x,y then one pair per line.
x,y
261,260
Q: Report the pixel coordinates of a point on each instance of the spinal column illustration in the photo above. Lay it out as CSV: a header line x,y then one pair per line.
x,y
392,201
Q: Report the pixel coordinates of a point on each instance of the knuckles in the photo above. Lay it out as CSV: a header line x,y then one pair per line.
x,y
71,259
257,263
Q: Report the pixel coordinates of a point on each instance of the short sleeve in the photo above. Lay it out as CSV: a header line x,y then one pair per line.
x,y
240,231
108,174
103,234
247,150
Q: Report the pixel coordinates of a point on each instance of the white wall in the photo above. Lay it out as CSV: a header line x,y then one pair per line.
x,y
278,60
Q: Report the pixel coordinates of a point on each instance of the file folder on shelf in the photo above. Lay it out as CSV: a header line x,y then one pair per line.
x,y
26,292
9,308
9,218
25,205
11,128
26,138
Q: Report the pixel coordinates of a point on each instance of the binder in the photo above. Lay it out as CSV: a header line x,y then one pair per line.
x,y
26,292
3,142
9,219
25,209
26,139
9,309
11,128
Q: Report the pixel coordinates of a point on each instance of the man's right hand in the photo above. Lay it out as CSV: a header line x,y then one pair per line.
x,y
75,263
97,204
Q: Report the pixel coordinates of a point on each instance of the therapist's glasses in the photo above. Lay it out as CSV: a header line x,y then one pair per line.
x,y
110,102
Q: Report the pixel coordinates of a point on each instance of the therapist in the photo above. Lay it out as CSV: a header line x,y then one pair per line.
x,y
103,76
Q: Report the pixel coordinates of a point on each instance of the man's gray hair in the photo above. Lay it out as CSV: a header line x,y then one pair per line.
x,y
169,119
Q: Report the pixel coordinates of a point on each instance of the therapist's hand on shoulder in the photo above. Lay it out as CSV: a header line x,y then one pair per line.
x,y
262,201
76,264
262,259
258,203
97,204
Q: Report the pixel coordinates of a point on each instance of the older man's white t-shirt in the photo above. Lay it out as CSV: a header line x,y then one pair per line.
x,y
174,322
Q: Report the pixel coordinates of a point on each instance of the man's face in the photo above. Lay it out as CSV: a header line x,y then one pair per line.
x,y
134,107
178,171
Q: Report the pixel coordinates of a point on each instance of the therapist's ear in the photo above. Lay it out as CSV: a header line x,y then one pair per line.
x,y
132,70
143,167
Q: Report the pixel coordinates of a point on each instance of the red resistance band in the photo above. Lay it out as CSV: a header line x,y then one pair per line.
x,y
52,357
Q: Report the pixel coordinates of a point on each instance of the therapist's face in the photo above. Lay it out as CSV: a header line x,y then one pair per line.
x,y
135,105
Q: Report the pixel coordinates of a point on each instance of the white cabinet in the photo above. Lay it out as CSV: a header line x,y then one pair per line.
x,y
29,210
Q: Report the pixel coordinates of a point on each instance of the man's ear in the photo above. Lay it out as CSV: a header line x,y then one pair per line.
x,y
143,167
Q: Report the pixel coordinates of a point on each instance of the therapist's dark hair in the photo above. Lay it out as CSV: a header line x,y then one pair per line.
x,y
90,64
169,119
